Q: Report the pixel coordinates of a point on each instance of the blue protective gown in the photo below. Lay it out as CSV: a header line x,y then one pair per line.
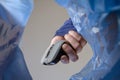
x,y
14,15
98,21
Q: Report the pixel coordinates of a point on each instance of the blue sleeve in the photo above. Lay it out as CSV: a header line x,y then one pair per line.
x,y
14,15
104,5
67,26
94,5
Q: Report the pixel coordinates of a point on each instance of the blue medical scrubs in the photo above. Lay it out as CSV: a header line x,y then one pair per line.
x,y
98,21
14,15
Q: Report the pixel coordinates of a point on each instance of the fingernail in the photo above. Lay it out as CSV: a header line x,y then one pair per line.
x,y
74,59
64,61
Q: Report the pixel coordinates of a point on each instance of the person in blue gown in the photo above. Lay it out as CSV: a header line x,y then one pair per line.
x,y
14,15
92,21
98,23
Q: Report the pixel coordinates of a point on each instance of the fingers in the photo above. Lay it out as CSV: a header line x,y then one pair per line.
x,y
56,38
75,43
76,40
71,54
83,42
75,35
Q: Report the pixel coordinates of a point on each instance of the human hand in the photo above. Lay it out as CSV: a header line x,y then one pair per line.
x,y
76,40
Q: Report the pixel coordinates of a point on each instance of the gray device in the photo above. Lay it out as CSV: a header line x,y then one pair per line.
x,y
53,53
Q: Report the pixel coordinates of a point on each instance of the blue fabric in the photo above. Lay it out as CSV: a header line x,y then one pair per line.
x,y
14,15
104,5
98,21
68,25
16,68
114,74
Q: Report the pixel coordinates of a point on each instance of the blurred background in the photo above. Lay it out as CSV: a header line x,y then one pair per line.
x,y
46,18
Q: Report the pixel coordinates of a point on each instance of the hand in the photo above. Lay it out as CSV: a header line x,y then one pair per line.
x,y
76,40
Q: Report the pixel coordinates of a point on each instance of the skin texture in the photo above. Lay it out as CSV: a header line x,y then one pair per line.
x,y
76,40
